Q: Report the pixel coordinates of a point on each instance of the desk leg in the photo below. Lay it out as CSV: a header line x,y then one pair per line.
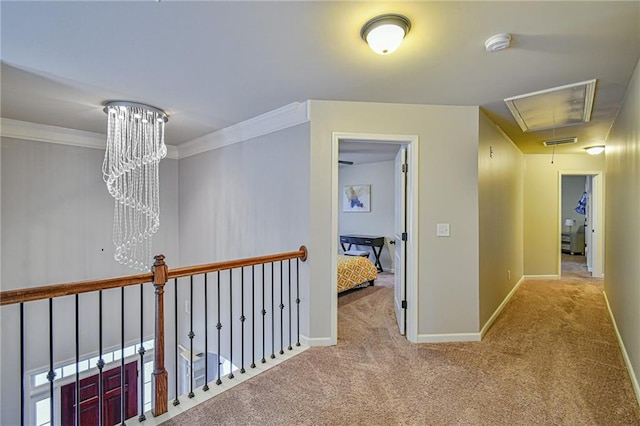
x,y
377,255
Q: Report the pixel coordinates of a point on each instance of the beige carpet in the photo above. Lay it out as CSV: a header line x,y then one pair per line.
x,y
551,358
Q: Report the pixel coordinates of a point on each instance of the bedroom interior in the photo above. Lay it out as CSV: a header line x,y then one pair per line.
x,y
254,169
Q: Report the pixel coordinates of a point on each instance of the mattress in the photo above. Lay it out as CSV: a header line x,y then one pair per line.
x,y
353,271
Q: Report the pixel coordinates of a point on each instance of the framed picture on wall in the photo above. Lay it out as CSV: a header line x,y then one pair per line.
x,y
356,198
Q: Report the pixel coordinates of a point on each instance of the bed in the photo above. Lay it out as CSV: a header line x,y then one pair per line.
x,y
355,271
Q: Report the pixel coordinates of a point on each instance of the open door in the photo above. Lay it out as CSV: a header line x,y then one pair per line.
x,y
400,239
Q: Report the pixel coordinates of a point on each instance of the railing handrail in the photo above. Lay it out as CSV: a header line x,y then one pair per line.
x,y
30,294
233,264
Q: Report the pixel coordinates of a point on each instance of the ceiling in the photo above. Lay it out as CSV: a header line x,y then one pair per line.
x,y
214,64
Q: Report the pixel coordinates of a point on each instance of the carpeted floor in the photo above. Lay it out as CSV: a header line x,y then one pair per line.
x,y
551,358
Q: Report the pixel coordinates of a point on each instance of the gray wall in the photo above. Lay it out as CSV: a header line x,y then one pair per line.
x,y
622,204
501,204
57,218
243,200
448,193
380,220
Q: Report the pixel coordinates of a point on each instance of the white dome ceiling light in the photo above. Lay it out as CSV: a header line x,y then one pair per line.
x,y
497,42
385,33
595,150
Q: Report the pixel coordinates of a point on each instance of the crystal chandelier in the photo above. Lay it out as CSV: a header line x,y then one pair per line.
x,y
135,146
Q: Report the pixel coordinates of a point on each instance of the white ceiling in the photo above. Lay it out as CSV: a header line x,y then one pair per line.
x,y
214,64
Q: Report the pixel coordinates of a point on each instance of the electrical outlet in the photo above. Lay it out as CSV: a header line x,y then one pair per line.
x,y
442,230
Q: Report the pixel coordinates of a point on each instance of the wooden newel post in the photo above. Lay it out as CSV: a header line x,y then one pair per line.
x,y
160,385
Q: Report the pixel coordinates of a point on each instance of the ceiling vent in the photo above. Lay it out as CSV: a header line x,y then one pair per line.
x,y
561,141
562,106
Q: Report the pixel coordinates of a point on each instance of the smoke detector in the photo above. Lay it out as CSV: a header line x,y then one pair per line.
x,y
497,42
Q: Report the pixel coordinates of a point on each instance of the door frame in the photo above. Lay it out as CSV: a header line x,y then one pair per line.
x,y
597,192
411,141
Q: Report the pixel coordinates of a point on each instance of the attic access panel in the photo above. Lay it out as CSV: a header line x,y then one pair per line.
x,y
562,106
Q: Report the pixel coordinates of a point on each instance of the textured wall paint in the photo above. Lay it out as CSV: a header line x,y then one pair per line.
x,y
380,220
500,183
622,247
541,209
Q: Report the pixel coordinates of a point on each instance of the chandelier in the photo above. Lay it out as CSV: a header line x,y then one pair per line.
x,y
135,146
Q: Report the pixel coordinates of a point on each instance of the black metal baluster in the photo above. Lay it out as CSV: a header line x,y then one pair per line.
x,y
52,374
242,319
191,336
273,314
77,395
231,376
281,310
289,302
22,364
263,312
141,351
206,338
298,299
122,388
219,327
176,401
100,363
253,322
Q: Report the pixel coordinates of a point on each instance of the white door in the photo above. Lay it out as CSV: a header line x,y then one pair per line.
x,y
588,224
400,229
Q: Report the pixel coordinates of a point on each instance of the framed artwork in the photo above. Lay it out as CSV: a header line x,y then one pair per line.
x,y
356,198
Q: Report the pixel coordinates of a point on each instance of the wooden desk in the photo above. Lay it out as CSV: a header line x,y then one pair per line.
x,y
365,240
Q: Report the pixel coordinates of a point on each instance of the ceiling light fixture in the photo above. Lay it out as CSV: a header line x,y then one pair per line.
x,y
595,150
497,42
135,146
384,33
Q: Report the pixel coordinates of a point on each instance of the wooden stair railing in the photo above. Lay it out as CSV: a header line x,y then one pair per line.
x,y
159,276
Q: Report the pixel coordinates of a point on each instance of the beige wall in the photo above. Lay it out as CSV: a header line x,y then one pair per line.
x,y
622,207
448,192
541,206
500,185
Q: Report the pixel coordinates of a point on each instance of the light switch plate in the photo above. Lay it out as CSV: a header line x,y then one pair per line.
x,y
442,230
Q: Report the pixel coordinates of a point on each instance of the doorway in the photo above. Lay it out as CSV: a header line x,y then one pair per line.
x,y
581,224
405,289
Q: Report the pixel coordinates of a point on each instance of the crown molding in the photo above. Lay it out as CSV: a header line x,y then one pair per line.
x,y
59,135
287,116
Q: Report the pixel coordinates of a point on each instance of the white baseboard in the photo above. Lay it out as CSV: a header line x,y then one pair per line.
x,y
627,361
448,337
497,312
541,277
201,396
315,341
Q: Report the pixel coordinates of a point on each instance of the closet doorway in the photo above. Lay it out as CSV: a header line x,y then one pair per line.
x,y
581,224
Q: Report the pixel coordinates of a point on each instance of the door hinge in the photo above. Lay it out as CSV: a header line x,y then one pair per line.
x,y
404,304
404,236
405,168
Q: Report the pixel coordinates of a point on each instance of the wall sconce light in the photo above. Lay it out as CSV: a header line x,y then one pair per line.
x,y
384,33
595,150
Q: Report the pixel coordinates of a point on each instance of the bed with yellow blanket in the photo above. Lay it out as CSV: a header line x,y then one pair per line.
x,y
354,271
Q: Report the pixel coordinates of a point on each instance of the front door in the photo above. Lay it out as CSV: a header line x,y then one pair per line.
x,y
89,399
